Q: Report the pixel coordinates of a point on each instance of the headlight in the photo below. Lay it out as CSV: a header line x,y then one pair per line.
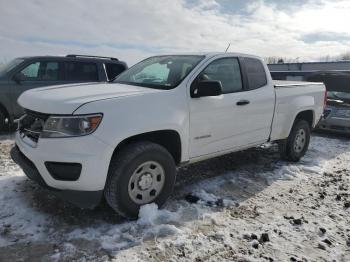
x,y
70,126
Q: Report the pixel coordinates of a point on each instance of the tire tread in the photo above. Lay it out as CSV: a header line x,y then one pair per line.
x,y
286,146
121,159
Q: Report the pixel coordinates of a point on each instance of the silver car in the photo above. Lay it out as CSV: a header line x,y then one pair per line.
x,y
336,116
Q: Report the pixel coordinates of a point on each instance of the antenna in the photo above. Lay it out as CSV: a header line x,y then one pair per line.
x,y
229,44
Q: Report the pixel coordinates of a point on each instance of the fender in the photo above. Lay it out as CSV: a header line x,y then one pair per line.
x,y
286,113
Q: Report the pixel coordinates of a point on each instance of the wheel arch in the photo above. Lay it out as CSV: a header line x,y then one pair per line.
x,y
287,147
169,139
282,126
307,115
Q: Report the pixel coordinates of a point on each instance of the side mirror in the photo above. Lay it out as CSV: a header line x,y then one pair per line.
x,y
18,78
207,88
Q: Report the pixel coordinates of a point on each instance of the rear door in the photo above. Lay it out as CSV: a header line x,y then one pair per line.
x,y
260,93
35,74
240,117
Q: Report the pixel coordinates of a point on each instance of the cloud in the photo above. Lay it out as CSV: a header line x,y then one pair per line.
x,y
326,37
132,30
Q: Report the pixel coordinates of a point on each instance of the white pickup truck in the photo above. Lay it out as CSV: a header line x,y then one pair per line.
x,y
124,140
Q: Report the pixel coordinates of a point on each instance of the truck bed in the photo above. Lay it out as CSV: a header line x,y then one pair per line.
x,y
291,97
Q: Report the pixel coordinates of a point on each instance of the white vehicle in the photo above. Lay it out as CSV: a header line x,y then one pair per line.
x,y
124,140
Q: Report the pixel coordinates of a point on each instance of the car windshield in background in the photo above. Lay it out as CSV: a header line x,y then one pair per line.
x,y
339,95
10,65
161,72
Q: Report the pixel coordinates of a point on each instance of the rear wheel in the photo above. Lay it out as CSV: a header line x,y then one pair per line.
x,y
139,174
295,146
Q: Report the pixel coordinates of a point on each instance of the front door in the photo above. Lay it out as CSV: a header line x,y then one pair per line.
x,y
235,119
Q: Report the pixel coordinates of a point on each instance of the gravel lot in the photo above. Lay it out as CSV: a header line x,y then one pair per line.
x,y
247,206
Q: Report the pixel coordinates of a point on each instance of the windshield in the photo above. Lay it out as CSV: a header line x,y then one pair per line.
x,y
5,68
339,95
161,72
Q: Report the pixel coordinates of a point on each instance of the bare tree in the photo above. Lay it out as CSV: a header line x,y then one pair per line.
x,y
326,58
274,60
280,61
345,56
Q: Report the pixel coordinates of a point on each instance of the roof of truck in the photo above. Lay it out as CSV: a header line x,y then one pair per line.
x,y
211,54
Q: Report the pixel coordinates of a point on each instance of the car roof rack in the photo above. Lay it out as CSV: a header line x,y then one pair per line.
x,y
92,56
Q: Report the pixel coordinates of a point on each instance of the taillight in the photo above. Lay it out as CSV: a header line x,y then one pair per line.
x,y
325,100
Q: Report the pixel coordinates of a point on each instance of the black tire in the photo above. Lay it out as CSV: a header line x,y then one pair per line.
x,y
122,167
288,149
3,125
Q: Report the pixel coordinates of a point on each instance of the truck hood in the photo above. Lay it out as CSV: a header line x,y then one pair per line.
x,y
65,99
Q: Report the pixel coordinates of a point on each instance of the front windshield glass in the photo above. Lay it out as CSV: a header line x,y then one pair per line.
x,y
161,72
339,95
10,65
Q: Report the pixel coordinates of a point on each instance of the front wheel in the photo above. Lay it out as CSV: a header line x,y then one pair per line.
x,y
139,174
295,146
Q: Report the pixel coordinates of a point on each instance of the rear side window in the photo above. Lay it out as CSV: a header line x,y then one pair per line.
x,y
113,70
81,71
255,72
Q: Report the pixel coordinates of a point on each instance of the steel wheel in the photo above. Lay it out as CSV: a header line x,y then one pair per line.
x,y
146,182
300,141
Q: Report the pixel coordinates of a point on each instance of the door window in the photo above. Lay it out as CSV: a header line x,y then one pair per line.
x,y
81,71
31,72
50,71
225,70
42,71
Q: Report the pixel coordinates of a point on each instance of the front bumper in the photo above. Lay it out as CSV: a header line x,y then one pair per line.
x,y
91,153
83,199
335,124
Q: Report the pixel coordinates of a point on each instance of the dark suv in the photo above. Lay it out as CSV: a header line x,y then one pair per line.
x,y
26,73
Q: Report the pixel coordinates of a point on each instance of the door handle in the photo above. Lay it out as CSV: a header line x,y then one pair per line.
x,y
243,102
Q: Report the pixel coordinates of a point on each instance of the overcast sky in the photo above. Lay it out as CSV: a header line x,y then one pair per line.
x,y
134,29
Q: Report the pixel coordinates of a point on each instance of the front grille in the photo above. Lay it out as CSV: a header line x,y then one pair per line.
x,y
37,114
32,124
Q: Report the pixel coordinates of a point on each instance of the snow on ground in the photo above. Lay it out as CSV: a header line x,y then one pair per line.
x,y
247,206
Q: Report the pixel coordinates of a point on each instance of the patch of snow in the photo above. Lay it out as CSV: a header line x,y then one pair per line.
x,y
150,215
17,217
284,200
